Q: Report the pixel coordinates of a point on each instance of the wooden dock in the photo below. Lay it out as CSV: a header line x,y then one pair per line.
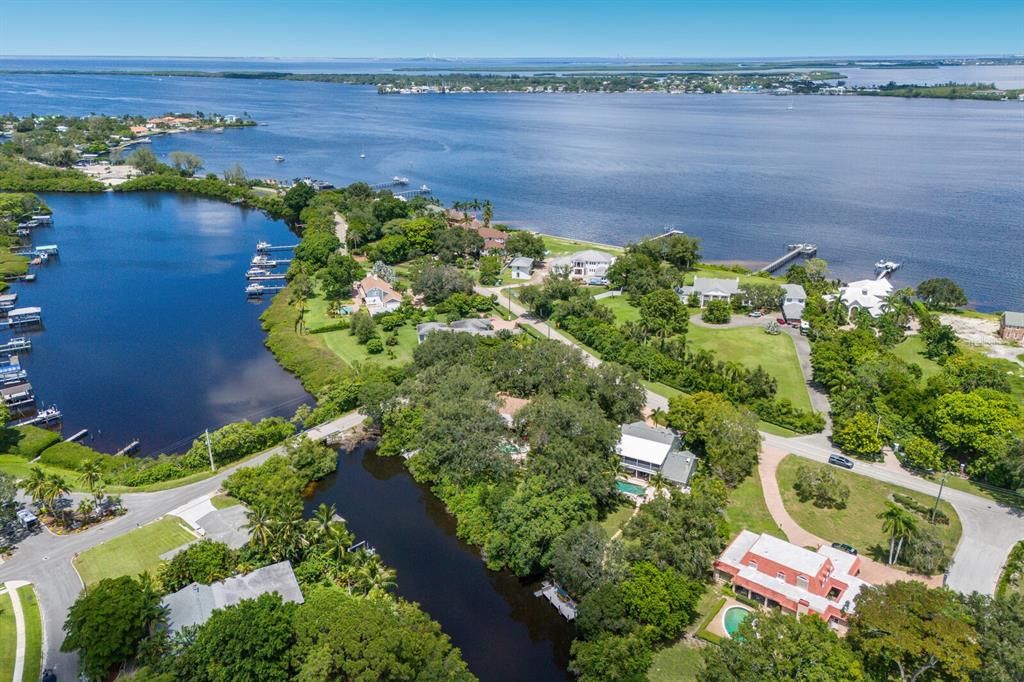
x,y
793,251
78,436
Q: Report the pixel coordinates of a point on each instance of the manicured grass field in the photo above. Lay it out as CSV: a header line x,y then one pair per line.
x,y
621,308
680,662
28,441
705,270
857,524
346,347
751,346
223,501
747,511
617,519
911,350
33,633
134,552
19,467
558,246
8,638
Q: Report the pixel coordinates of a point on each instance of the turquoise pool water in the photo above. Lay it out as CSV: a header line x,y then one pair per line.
x,y
733,617
630,488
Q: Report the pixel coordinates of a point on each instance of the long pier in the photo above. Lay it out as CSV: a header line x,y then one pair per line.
x,y
266,247
793,251
422,189
394,182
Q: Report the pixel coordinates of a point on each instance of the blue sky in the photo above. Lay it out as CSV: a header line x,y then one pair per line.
x,y
512,28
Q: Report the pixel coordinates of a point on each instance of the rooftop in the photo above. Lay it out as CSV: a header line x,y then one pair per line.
x,y
521,262
1012,319
649,444
794,291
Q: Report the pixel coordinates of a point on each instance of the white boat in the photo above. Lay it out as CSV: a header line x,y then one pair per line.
x,y
254,290
257,272
279,158
362,156
424,189
399,180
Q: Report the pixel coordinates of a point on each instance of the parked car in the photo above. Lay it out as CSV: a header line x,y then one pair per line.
x,y
845,548
781,321
840,461
755,313
805,327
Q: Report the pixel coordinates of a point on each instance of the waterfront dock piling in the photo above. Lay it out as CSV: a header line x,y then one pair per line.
x,y
793,251
129,449
884,268
51,415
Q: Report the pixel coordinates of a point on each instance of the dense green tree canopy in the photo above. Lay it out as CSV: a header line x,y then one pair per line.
x,y
941,293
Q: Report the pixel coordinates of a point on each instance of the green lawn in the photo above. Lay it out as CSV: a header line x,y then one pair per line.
x,y
616,519
134,552
621,308
558,246
19,467
678,663
747,511
751,346
705,270
911,350
223,501
857,524
346,347
8,638
33,634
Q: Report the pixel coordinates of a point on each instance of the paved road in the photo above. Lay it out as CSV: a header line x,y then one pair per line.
x,y
45,559
990,530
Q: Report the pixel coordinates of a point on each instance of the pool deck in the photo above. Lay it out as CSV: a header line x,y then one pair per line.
x,y
717,624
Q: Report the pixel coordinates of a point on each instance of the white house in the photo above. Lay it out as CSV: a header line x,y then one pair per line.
x,y
583,265
866,294
521,268
646,450
794,299
709,289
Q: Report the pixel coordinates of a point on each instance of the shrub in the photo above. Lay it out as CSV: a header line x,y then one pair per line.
x,y
273,481
821,487
28,441
374,346
717,312
783,413
204,562
925,552
234,441
923,509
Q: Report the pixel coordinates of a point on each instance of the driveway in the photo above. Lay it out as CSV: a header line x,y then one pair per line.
x,y
990,530
45,559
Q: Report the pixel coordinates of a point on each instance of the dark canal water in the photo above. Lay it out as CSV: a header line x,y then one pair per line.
x,y
936,184
505,633
147,331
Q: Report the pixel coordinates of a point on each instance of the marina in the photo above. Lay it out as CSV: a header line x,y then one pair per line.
x,y
22,317
18,398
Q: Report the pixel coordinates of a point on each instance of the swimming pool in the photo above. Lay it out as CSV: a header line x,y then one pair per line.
x,y
630,488
734,615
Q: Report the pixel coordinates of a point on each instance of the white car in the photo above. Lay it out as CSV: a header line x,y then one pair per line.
x,y
755,313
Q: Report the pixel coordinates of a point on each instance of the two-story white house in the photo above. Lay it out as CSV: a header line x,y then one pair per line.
x,y
583,265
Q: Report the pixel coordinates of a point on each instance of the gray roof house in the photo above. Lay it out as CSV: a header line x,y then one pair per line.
x,y
793,301
1011,326
710,289
193,605
646,450
521,267
477,326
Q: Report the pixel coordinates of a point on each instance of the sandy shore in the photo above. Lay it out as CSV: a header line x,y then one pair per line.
x,y
110,175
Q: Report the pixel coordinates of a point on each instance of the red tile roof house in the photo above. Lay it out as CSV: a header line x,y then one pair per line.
x,y
377,295
776,573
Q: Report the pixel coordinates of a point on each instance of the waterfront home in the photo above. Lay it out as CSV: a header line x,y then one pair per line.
x,y
708,289
583,265
794,298
521,267
494,240
646,450
475,325
139,130
194,604
377,296
865,294
779,574
1011,326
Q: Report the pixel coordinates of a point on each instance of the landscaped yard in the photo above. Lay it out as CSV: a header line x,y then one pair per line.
x,y
621,308
678,663
751,346
617,519
346,347
911,350
134,552
747,510
33,633
857,524
8,638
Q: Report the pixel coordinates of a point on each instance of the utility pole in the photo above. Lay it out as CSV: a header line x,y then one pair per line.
x,y
939,496
209,450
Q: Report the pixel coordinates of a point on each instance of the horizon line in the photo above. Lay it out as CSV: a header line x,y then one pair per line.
x,y
975,55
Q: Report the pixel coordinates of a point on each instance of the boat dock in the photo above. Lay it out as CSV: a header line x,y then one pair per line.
x,y
45,250
261,261
22,317
51,415
422,189
28,277
128,449
559,598
395,181
793,251
18,397
265,278
265,247
78,436
884,268
7,301
257,290
18,343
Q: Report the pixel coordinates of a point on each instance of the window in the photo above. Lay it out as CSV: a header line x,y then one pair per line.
x,y
780,575
801,582
752,563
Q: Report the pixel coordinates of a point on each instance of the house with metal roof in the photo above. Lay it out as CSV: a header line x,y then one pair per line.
x,y
646,450
521,267
193,605
709,289
1011,326
794,298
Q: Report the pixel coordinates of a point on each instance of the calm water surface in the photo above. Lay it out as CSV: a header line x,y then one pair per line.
x,y
938,185
505,633
148,333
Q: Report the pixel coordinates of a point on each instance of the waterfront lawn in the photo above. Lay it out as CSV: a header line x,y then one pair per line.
x,y
747,510
615,520
717,272
346,347
680,662
911,350
8,637
559,246
33,633
133,552
304,354
857,524
751,346
19,467
28,441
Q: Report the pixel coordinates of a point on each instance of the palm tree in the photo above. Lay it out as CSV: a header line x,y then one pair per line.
x,y
322,518
86,507
91,474
335,543
374,575
659,482
488,213
260,525
899,524
35,484
55,490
